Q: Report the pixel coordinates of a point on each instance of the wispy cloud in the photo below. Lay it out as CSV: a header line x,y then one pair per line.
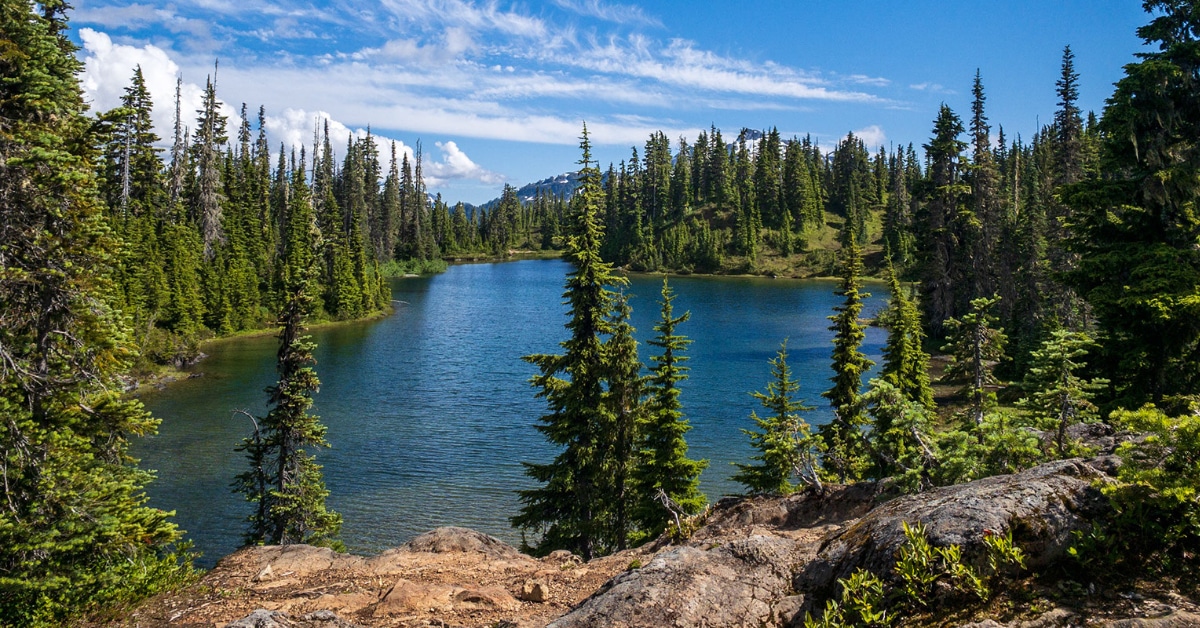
x,y
482,17
863,79
932,88
617,13
681,64
199,33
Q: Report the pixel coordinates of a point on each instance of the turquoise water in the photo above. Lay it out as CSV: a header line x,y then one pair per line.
x,y
430,412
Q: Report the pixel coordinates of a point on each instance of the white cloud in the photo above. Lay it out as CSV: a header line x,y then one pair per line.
x,y
456,165
619,13
933,88
681,64
108,68
873,136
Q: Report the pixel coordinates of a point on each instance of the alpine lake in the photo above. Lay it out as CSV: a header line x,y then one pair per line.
x,y
430,412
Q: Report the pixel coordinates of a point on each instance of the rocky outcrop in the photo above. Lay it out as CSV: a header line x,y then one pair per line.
x,y
737,584
734,571
740,517
1040,506
452,539
755,562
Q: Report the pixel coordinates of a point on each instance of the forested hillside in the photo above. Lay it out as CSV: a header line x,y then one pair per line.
x,y
207,236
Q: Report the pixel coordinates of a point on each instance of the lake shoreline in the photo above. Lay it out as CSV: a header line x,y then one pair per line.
x,y
521,256
166,375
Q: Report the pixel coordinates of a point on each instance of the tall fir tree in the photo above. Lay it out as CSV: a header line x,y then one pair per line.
x,y
284,481
568,510
207,196
940,288
663,464
845,456
624,399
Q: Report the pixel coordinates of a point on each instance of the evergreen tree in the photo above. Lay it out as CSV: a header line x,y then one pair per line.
x,y
902,442
206,153
982,228
785,445
1136,229
1058,396
843,437
940,286
663,464
624,399
75,533
132,186
569,509
898,234
1067,144
975,346
905,363
284,481
1068,122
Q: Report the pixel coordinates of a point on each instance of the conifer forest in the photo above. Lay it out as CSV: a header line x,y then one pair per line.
x,y
1035,284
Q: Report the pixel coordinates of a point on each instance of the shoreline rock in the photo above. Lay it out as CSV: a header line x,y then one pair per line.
x,y
755,561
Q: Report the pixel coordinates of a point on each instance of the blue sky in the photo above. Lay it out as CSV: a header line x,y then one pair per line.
x,y
496,91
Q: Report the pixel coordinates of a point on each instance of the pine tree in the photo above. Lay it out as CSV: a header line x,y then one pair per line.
x,y
75,533
624,400
975,346
901,437
1066,139
284,482
984,225
1058,396
905,363
940,288
1068,123
786,447
663,464
206,153
843,436
132,172
568,510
